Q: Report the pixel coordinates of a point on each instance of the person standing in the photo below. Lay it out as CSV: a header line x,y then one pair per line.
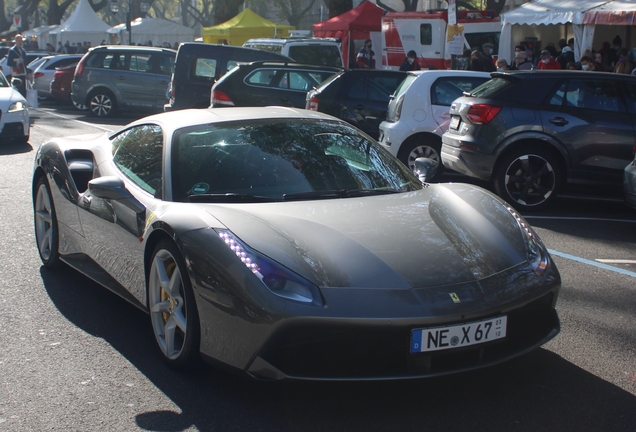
x,y
624,65
16,60
548,62
365,58
488,62
410,63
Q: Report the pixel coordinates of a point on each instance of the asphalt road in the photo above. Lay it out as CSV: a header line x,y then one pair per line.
x,y
73,356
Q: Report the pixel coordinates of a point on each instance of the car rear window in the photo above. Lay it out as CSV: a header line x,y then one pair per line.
x,y
322,55
204,68
492,87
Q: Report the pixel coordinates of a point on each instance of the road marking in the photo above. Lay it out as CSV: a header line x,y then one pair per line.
x,y
592,263
580,218
75,120
616,261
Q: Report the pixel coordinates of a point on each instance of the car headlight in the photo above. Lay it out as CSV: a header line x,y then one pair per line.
x,y
278,279
537,253
17,106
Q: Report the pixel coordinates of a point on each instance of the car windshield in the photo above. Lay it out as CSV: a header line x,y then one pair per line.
x,y
3,81
281,159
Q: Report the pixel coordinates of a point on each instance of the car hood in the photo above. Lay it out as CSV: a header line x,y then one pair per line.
x,y
9,95
442,234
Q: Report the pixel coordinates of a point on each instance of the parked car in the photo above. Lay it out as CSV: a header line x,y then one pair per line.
x,y
268,83
44,70
31,56
531,132
418,113
14,115
61,86
266,239
198,66
358,96
112,78
314,51
629,182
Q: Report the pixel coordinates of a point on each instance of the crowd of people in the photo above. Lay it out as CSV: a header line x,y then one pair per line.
x,y
610,58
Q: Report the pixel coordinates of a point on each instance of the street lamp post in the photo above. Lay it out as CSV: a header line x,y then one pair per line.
x,y
114,8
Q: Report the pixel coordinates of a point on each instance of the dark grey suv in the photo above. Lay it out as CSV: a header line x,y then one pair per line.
x,y
532,132
113,78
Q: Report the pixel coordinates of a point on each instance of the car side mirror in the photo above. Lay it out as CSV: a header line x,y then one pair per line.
x,y
16,82
425,169
113,188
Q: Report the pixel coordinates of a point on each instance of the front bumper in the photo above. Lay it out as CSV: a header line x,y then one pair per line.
x,y
15,124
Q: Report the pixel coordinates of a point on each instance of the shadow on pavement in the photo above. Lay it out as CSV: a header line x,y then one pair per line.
x,y
539,391
11,147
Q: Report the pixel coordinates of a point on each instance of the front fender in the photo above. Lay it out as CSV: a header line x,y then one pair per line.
x,y
515,136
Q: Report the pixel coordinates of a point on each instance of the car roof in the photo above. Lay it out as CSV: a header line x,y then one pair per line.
x,y
130,48
537,73
292,40
174,120
289,65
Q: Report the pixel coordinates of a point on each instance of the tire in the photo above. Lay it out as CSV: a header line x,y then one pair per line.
x,y
173,312
421,146
102,104
79,107
529,179
46,227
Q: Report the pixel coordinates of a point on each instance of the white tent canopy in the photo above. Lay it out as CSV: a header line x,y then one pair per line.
x,y
549,13
156,30
83,25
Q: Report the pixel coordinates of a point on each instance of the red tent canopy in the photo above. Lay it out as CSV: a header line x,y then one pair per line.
x,y
352,25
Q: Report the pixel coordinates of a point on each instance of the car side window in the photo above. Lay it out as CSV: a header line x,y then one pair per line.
x,y
138,153
261,77
359,89
382,87
298,82
631,92
444,91
164,64
600,95
426,34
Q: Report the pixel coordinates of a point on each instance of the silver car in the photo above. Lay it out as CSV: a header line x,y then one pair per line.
x,y
113,78
45,68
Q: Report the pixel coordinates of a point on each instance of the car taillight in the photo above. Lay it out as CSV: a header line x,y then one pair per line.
x,y
219,98
634,151
313,104
38,74
482,113
79,70
398,108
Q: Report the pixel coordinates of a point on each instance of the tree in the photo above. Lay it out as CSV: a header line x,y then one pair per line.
x,y
292,11
338,7
226,9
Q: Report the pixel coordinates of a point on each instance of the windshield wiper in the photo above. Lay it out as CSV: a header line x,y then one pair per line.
x,y
228,198
337,193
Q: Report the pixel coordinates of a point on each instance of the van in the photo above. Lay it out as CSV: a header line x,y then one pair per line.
x,y
199,65
313,51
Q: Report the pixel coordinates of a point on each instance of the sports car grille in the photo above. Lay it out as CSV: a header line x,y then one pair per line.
x,y
341,352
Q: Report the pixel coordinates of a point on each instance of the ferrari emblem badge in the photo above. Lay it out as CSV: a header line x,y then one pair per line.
x,y
454,297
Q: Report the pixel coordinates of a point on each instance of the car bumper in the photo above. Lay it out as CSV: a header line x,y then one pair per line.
x,y
392,135
464,161
14,125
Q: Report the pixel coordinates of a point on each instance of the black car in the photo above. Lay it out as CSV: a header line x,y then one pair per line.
x,y
199,65
532,132
268,83
358,96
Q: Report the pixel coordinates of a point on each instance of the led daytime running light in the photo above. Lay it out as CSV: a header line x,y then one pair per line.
x,y
240,252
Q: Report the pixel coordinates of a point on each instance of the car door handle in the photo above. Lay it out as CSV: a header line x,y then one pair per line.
x,y
163,82
437,52
559,121
121,77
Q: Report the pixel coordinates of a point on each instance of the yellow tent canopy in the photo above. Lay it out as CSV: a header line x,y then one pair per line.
x,y
244,26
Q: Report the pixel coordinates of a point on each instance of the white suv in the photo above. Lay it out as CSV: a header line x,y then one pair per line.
x,y
419,115
312,51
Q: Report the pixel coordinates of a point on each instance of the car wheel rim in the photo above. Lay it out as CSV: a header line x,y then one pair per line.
x,y
530,180
79,106
43,221
167,304
101,105
422,151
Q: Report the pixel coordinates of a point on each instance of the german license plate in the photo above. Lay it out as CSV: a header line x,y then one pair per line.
x,y
454,123
456,336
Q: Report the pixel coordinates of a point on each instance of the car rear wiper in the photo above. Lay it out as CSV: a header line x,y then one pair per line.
x,y
337,193
228,198
467,94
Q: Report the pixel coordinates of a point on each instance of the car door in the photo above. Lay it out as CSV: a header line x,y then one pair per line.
x,y
161,65
589,117
113,227
365,100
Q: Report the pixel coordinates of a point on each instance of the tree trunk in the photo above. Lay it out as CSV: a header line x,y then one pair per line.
x,y
338,7
495,5
226,9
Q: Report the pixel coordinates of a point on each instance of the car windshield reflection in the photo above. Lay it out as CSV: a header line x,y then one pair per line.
x,y
281,159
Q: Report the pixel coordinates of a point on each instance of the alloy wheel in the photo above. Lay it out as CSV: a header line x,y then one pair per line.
x,y
530,180
101,105
44,225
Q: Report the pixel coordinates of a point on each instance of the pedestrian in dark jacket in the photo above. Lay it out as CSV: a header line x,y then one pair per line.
x,y
410,62
16,60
